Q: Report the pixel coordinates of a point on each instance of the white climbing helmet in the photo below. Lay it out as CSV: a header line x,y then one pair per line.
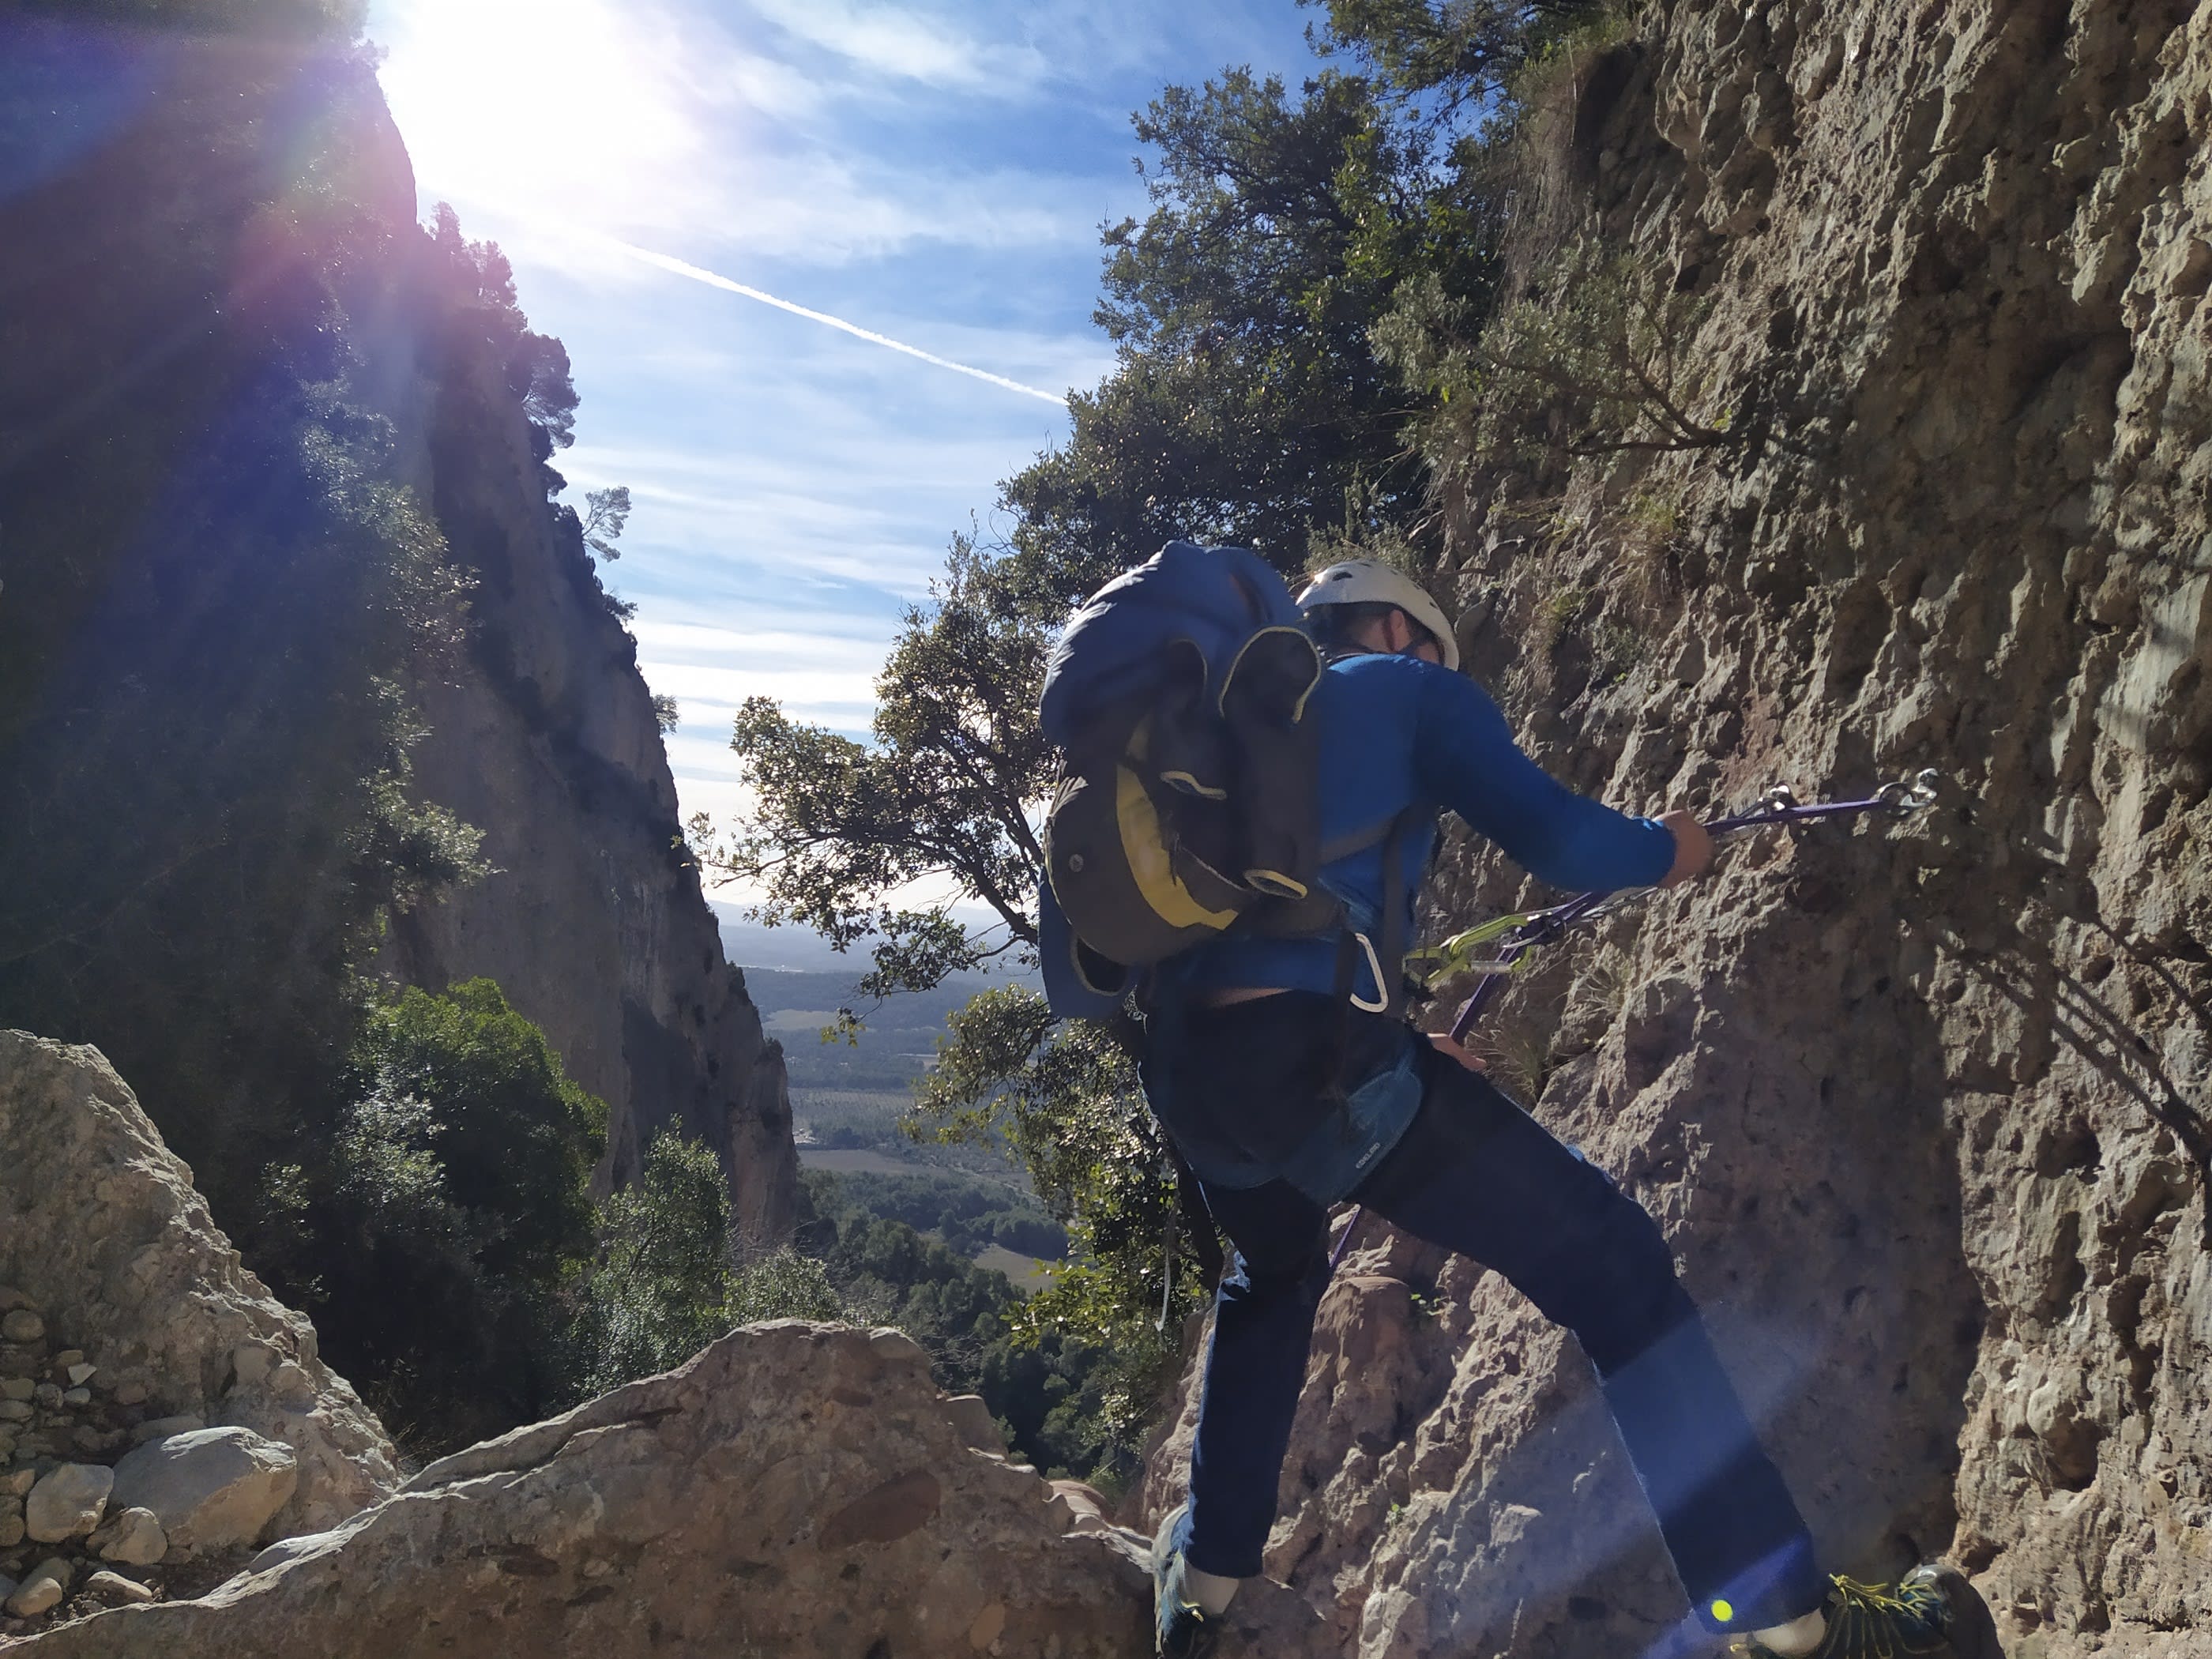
x,y
1370,581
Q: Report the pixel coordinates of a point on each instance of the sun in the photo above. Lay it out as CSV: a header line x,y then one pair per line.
x,y
573,112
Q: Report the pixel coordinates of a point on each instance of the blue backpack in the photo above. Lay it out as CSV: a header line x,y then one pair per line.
x,y
1186,802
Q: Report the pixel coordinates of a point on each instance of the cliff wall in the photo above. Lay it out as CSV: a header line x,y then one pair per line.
x,y
542,734
1923,1109
267,448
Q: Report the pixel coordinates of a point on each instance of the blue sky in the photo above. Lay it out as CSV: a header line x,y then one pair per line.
x,y
935,173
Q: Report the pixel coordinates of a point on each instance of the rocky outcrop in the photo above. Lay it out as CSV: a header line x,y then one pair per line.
x,y
544,736
1923,1111
127,1309
795,1490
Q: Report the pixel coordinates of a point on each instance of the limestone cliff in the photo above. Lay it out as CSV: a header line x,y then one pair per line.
x,y
1925,1111
268,451
542,734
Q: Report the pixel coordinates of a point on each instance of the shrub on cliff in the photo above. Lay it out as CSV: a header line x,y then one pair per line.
x,y
664,1281
433,1236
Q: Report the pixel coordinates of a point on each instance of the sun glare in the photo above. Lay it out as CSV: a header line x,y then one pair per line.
x,y
574,109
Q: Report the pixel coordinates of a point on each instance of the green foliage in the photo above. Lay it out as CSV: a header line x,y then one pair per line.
x,y
432,1233
518,1138
783,1284
665,714
946,790
1072,1403
1461,55
663,1285
1248,405
1604,361
602,524
970,1214
1260,397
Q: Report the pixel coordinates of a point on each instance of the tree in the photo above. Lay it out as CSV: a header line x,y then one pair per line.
x,y
608,512
664,1281
1249,404
432,1235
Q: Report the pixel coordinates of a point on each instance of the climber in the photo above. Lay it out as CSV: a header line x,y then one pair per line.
x,y
1284,1075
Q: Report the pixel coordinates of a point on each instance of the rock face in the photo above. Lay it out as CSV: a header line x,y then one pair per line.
x,y
540,733
102,1231
795,1490
1925,1111
545,737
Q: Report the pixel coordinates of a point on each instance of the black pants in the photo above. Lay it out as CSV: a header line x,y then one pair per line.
x,y
1476,1174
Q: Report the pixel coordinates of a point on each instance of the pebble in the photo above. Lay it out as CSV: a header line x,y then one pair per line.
x,y
11,1531
114,1587
47,1395
21,1325
42,1590
135,1538
15,1411
131,1394
67,1358
76,1396
11,1298
68,1502
80,1374
17,1483
16,1388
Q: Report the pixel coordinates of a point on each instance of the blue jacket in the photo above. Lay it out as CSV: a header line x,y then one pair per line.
x,y
1396,733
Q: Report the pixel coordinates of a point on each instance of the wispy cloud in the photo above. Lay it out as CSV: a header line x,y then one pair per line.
x,y
917,182
714,279
906,43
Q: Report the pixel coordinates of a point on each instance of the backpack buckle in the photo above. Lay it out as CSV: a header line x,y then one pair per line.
x,y
1382,985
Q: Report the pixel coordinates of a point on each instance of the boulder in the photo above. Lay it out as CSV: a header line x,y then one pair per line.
x,y
133,1537
796,1490
210,1488
68,1502
105,1245
115,1590
42,1588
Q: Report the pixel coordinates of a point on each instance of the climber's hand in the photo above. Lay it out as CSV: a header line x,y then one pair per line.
x,y
1693,847
1458,1051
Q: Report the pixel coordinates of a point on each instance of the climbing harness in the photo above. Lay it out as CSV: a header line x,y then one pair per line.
x,y
1514,936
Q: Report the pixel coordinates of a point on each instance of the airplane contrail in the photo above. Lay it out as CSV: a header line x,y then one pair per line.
x,y
677,267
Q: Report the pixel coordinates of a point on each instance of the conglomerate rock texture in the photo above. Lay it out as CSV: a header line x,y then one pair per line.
x,y
1924,1108
101,1231
794,1491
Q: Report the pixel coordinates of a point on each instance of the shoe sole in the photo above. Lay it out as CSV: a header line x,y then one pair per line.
x,y
1973,1631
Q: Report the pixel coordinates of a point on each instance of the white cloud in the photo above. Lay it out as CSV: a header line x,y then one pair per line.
x,y
902,43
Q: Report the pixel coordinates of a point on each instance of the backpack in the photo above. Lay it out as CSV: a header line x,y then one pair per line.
x,y
1188,799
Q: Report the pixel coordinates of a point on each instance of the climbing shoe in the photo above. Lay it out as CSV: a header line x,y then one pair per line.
x,y
1931,1611
1182,1629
